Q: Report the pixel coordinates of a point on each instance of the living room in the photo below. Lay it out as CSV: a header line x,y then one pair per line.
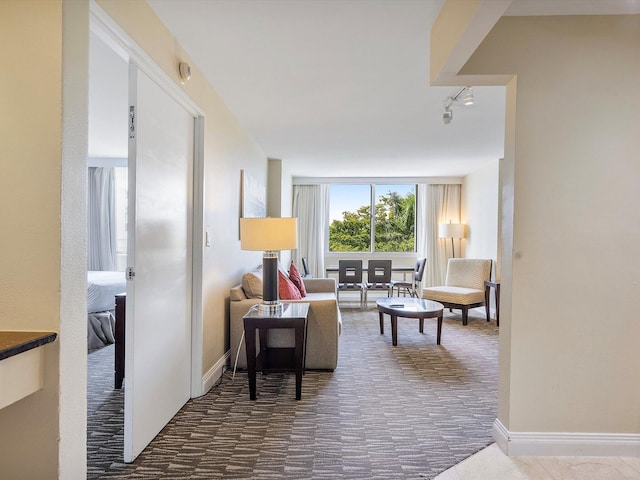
x,y
570,155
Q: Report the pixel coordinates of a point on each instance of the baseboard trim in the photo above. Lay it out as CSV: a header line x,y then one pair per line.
x,y
215,373
559,444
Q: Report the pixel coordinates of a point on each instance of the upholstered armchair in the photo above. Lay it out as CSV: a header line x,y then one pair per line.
x,y
464,285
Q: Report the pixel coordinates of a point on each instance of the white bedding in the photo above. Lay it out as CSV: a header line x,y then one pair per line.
x,y
102,288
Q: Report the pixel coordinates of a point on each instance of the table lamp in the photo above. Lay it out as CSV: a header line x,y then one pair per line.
x,y
269,235
451,230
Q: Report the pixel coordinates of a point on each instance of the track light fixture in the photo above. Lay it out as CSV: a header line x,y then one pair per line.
x,y
447,116
464,96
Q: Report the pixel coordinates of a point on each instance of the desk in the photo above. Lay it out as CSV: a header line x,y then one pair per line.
x,y
487,289
294,315
22,363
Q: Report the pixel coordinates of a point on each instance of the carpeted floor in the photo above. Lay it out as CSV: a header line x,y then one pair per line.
x,y
405,412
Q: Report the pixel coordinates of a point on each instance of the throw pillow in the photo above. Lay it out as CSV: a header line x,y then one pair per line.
x,y
286,289
252,284
296,278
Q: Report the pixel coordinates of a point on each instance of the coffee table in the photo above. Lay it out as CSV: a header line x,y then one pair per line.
x,y
408,307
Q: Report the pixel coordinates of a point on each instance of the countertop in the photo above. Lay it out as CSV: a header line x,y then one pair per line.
x,y
13,342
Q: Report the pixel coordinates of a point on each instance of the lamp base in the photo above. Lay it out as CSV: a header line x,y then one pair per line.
x,y
274,308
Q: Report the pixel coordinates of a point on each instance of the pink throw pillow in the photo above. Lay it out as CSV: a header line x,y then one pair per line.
x,y
286,289
296,278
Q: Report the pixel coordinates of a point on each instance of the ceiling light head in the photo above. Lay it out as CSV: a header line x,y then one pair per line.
x,y
447,116
467,96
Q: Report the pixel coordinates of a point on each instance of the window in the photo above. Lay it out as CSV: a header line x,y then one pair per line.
x,y
121,188
353,228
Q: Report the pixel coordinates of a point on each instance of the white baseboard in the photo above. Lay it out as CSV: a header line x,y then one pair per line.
x,y
558,444
215,373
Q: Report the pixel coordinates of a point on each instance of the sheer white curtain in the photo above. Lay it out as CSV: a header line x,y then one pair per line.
x,y
311,207
102,219
436,204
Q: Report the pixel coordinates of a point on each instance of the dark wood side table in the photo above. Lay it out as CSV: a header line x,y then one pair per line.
x,y
487,290
121,303
294,315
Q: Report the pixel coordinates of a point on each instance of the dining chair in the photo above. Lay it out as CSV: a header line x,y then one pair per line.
x,y
411,287
305,268
350,278
378,277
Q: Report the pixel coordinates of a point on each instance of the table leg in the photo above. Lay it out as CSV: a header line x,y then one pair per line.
x,y
439,330
250,345
394,330
498,305
487,289
299,332
421,325
381,323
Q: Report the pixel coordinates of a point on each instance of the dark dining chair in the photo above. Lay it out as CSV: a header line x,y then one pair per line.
x,y
378,277
411,287
305,268
350,278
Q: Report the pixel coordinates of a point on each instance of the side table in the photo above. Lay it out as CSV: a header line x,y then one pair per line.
x,y
294,315
487,289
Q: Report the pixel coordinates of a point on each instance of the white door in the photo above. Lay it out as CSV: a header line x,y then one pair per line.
x,y
158,314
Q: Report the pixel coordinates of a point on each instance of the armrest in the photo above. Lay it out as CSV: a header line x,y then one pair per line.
x,y
313,285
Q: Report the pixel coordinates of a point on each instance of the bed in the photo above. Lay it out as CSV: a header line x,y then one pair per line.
x,y
102,286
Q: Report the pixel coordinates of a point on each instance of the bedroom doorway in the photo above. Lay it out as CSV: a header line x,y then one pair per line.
x,y
164,233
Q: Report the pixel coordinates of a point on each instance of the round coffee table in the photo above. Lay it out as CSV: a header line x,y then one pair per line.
x,y
408,307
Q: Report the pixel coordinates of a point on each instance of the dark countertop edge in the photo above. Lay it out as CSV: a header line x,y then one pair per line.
x,y
39,339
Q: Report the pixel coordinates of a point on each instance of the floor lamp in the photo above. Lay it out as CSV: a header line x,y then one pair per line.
x,y
269,235
451,230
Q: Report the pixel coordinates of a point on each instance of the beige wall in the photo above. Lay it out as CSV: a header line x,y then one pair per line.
x,y
43,197
571,335
480,212
228,149
31,99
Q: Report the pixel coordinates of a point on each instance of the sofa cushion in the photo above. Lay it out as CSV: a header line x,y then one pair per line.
x,y
296,278
286,288
252,284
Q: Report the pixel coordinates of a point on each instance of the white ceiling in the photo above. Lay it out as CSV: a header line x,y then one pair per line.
x,y
332,87
337,88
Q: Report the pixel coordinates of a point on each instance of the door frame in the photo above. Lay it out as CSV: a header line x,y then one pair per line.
x,y
116,38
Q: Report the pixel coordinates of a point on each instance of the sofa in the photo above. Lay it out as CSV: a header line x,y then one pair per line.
x,y
323,328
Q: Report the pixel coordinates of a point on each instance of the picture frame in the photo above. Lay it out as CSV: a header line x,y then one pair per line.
x,y
254,197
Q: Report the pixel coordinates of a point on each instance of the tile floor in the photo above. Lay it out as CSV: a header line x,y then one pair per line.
x,y
491,464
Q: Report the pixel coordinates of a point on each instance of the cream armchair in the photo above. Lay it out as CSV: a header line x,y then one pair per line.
x,y
464,285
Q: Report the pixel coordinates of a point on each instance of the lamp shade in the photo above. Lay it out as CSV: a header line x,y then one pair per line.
x,y
268,233
451,230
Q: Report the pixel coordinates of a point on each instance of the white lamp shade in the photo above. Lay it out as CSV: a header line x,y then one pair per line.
x,y
451,230
268,233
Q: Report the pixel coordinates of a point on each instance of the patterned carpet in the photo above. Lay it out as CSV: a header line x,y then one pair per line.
x,y
405,412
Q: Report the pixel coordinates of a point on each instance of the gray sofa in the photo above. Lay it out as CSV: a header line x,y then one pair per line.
x,y
323,328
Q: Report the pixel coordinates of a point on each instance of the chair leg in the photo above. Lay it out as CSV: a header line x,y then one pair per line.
x,y
465,315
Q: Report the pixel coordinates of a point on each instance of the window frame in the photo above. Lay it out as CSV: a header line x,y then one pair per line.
x,y
372,198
